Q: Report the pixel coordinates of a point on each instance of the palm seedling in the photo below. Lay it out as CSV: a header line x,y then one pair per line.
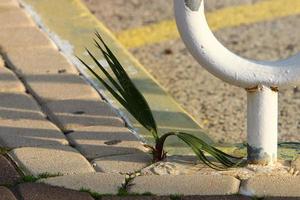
x,y
124,91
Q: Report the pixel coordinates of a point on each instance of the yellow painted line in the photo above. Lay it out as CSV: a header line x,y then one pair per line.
x,y
219,19
74,24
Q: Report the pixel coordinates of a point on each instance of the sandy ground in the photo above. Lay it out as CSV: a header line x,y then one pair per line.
x,y
220,108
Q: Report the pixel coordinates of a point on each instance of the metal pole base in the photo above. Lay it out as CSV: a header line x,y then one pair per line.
x,y
262,111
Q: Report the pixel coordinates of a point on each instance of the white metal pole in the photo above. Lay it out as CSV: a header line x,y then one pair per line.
x,y
242,72
262,115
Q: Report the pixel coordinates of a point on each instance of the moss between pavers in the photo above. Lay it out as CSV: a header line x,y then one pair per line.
x,y
121,193
31,178
4,150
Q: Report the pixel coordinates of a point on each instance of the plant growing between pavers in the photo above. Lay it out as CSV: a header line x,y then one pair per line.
x,y
32,178
95,195
4,150
124,90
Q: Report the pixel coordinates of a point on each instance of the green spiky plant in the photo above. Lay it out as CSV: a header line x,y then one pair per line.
x,y
123,90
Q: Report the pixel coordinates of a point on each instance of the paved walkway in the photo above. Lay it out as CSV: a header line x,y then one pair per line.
x,y
60,140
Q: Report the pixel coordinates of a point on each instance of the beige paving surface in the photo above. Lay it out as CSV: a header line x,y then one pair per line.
x,y
122,163
271,186
23,124
75,114
9,82
186,185
54,160
12,16
38,61
9,3
23,37
99,141
49,88
96,182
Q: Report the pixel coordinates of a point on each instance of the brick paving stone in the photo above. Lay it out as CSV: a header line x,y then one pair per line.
x,y
23,124
99,141
40,191
9,82
73,114
1,62
97,182
281,198
13,16
39,61
30,133
186,185
59,159
122,163
6,194
49,88
23,37
151,197
224,197
8,174
272,186
16,106
9,3
138,197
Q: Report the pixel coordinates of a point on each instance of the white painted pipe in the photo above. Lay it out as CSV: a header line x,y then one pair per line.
x,y
262,107
221,62
246,73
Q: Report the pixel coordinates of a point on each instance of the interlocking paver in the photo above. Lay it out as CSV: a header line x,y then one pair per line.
x,y
9,3
8,174
13,16
280,186
39,61
217,197
16,106
49,88
97,182
122,163
151,197
40,191
23,37
6,194
72,114
61,159
186,185
137,197
1,62
30,133
98,141
9,82
23,124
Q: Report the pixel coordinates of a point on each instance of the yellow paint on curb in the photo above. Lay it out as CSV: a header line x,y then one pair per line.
x,y
219,19
73,23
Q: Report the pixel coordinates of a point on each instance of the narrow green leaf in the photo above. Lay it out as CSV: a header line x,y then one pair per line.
x,y
198,152
199,147
110,78
116,95
139,106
